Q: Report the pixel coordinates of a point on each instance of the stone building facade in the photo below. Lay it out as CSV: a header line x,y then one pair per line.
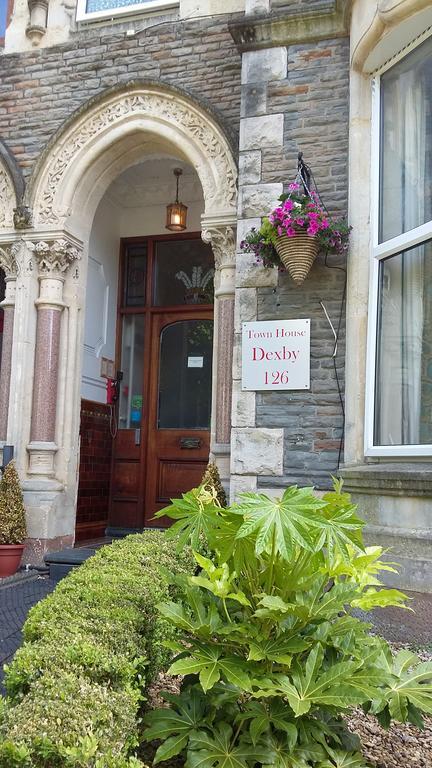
x,y
99,102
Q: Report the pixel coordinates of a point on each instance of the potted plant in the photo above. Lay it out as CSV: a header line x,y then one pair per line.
x,y
291,236
12,522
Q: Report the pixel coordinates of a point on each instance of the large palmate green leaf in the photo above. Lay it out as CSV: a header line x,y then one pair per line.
x,y
219,581
175,725
266,717
196,514
217,751
343,529
280,524
340,759
380,598
413,685
279,649
310,684
209,663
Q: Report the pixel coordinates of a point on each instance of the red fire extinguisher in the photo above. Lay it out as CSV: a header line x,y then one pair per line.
x,y
112,391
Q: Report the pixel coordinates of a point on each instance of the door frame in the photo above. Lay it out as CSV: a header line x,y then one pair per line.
x,y
149,311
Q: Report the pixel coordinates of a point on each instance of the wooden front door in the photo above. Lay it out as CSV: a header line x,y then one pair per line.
x,y
165,350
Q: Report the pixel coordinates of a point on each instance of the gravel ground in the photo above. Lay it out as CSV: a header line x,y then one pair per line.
x,y
402,746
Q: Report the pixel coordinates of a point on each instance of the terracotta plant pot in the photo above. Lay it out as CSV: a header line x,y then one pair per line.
x,y
10,559
297,254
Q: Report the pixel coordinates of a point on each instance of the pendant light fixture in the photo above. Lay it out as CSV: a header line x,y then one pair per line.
x,y
176,212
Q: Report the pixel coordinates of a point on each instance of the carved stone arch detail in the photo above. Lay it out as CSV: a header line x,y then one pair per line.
x,y
11,187
138,108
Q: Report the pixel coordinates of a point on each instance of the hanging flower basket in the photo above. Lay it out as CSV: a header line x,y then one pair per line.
x,y
293,234
297,253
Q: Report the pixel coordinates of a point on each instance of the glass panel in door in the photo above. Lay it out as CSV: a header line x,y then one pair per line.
x,y
132,366
185,375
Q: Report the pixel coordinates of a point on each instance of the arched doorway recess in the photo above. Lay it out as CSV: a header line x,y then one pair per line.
x,y
98,143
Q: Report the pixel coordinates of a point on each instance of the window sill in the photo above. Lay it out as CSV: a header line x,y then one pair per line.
x,y
390,479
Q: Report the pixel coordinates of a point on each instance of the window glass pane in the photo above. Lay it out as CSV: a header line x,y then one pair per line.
x,y
132,366
184,271
406,144
403,398
135,275
3,16
185,375
108,5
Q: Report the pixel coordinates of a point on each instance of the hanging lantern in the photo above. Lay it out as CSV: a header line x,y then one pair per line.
x,y
176,212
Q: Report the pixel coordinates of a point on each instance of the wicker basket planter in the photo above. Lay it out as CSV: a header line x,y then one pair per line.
x,y
297,254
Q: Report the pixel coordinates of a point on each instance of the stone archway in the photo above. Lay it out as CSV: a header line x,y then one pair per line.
x,y
103,138
85,156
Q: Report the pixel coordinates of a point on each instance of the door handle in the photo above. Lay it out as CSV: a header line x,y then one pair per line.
x,y
190,442
138,436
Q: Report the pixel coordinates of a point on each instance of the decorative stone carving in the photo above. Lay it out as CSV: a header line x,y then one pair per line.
x,y
223,243
38,20
22,217
174,113
7,200
55,258
9,262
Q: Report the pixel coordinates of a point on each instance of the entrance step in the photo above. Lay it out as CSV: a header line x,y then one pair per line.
x,y
62,562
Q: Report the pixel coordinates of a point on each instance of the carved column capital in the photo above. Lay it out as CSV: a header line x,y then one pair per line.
x,y
223,242
55,257
222,238
9,261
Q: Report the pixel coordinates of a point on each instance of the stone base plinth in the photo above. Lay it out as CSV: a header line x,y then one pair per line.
x,y
36,549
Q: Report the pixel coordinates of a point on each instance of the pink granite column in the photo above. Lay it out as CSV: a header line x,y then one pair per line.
x,y
45,381
8,263
54,260
225,339
5,367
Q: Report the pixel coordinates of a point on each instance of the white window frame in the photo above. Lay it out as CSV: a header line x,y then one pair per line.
x,y
380,251
124,10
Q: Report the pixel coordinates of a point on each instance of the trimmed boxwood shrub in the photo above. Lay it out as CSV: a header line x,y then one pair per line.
x,y
75,687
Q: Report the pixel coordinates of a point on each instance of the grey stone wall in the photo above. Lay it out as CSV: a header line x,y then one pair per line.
x,y
293,99
42,88
314,101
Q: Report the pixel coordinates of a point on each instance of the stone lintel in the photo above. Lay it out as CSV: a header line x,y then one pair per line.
x,y
290,28
389,479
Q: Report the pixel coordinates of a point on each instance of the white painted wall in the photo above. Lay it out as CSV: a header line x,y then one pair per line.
x,y
101,299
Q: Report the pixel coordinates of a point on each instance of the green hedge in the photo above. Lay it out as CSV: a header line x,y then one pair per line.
x,y
75,688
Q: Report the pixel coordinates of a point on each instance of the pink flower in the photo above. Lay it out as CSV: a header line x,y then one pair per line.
x,y
324,224
293,187
288,205
280,231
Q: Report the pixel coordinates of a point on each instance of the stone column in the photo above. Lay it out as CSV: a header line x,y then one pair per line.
x,y
54,259
8,263
222,239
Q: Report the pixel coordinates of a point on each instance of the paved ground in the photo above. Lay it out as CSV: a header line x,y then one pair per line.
x,y
18,594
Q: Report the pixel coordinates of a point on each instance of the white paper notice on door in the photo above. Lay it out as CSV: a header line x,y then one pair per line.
x,y
195,362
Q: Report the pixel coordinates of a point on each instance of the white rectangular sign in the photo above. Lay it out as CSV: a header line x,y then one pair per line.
x,y
276,354
195,362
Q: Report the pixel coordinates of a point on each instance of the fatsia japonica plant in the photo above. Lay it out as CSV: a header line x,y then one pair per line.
x,y
269,652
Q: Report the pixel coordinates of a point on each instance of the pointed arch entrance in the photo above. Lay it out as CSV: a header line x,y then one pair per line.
x,y
109,135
